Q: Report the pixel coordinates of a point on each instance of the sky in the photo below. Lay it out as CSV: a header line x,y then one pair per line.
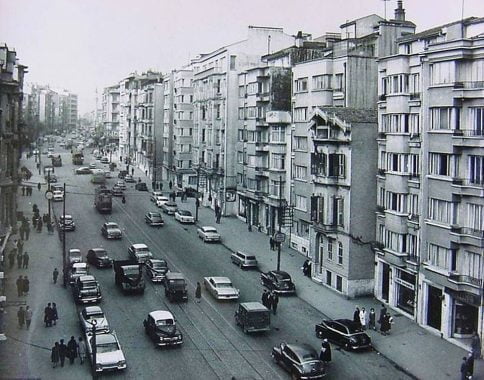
x,y
84,45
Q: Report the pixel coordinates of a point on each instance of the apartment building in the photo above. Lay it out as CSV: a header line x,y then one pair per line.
x,y
110,114
145,142
168,169
431,176
216,103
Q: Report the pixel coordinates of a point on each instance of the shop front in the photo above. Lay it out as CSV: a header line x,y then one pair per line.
x,y
464,313
405,291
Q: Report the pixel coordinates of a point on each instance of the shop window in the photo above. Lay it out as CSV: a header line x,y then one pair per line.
x,y
465,321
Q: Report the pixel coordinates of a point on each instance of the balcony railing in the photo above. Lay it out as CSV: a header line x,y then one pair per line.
x,y
465,279
469,84
469,132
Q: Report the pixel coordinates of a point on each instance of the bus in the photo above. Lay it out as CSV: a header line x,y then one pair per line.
x,y
98,177
103,199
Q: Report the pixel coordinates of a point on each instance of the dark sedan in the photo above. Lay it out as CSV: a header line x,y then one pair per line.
x,y
83,170
300,360
156,269
343,332
278,281
99,258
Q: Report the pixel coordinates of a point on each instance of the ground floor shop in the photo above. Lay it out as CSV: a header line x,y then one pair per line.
x,y
258,214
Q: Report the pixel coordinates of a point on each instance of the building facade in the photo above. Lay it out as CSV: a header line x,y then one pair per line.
x,y
110,114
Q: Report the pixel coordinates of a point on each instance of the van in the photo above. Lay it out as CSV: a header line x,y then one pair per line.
x,y
244,260
253,317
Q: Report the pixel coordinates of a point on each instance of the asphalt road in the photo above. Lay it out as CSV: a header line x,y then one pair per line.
x,y
214,347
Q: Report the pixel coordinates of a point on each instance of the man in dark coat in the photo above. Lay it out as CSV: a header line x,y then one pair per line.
x,y
23,190
39,186
72,350
271,243
63,352
48,315
26,258
20,286
27,230
55,274
325,353
274,302
264,298
21,317
19,259
383,312
463,369
269,300
470,365
54,355
356,315
25,286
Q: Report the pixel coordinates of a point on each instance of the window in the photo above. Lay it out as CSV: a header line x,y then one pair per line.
x,y
475,217
415,83
301,203
328,278
396,202
438,256
317,209
339,283
278,134
321,82
444,118
300,143
336,165
412,245
217,111
471,265
232,62
242,91
476,115
252,88
299,172
278,161
476,170
240,157
395,241
338,82
301,85
302,228
330,249
340,253
443,164
276,188
441,211
338,211
300,114
412,207
442,72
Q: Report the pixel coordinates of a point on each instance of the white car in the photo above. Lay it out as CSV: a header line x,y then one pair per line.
x,y
88,315
221,288
109,355
184,216
58,195
207,233
155,194
161,200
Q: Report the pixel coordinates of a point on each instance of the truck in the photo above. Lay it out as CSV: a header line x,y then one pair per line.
x,y
129,276
57,160
175,287
77,157
103,199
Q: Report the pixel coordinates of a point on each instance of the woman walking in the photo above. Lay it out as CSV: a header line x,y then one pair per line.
x,y
54,355
372,320
55,316
81,349
363,318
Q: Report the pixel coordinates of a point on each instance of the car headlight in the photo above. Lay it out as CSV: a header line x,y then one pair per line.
x,y
121,363
353,340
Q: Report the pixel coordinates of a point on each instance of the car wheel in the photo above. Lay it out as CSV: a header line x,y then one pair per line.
x,y
274,359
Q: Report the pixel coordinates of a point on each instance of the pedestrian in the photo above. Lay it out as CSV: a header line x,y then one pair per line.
x,y
39,225
21,317
132,171
476,346
48,315
63,352
11,258
161,186
470,365
325,353
305,267
356,316
264,298
269,300
39,186
198,292
275,302
55,315
170,185
271,243
463,369
81,349
28,316
372,319
389,322
23,190
50,228
385,324
29,191
27,230
34,220
383,312
21,230
55,274
20,285
219,215
363,318
19,259
310,266
54,355
25,260
26,286
72,350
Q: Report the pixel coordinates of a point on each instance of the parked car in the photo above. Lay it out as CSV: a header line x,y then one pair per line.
x,y
300,360
122,174
77,270
104,160
51,178
221,288
139,253
83,170
343,332
129,179
109,355
156,269
108,174
169,208
90,314
154,219
207,233
117,191
58,195
160,325
184,216
67,223
121,185
92,165
155,194
111,230
161,200
99,258
253,317
278,281
86,290
141,186
74,256
243,260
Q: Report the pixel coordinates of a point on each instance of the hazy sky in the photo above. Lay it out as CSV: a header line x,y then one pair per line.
x,y
82,45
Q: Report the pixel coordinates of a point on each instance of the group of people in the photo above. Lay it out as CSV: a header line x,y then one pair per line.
x,y
270,300
50,314
273,244
306,268
24,316
22,257
368,320
27,191
73,349
23,286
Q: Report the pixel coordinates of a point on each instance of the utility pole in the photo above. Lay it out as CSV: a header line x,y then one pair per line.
x,y
64,269
94,348
197,201
48,189
280,224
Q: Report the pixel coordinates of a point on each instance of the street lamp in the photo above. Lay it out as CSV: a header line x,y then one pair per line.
x,y
63,230
93,323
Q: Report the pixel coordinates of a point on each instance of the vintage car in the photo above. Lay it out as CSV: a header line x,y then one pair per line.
x,y
141,186
77,270
160,325
300,360
156,269
278,281
74,256
175,287
58,195
184,216
117,191
99,258
169,208
345,333
154,219
67,223
86,290
104,160
243,260
253,317
161,200
155,194
83,170
111,230
92,165
221,288
109,355
207,233
129,179
139,253
90,314
121,185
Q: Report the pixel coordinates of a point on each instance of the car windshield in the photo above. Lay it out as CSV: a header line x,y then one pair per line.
x,y
311,365
223,285
164,322
170,204
112,225
185,213
178,283
107,347
250,257
75,254
131,270
98,315
89,284
211,230
159,265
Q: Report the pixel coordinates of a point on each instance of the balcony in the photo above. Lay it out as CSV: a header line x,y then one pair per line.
x,y
319,179
472,138
461,279
468,89
261,171
467,236
468,187
261,147
328,228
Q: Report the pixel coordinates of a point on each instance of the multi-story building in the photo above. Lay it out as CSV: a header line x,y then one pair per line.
x,y
334,152
110,114
168,169
216,103
145,132
430,218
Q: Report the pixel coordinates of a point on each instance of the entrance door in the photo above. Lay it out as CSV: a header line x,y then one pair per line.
x,y
385,282
434,308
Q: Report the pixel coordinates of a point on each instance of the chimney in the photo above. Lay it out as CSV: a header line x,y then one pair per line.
x,y
299,39
400,12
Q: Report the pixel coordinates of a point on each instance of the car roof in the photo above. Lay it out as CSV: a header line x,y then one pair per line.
x,y
220,279
104,338
154,213
161,315
79,265
301,349
98,249
74,250
67,216
208,227
87,277
111,224
93,310
157,260
352,325
184,212
174,275
280,273
253,306
139,246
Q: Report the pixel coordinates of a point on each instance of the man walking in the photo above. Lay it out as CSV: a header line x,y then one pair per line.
x,y
20,285
62,352
81,349
264,298
21,317
72,350
48,315
383,313
54,355
271,243
55,274
198,292
269,300
39,186
26,260
28,316
27,230
275,302
25,286
19,258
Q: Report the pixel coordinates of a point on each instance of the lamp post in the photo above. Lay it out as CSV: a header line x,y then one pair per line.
x,y
48,189
63,231
94,348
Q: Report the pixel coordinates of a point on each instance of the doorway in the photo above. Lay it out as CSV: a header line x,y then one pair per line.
x,y
434,307
385,281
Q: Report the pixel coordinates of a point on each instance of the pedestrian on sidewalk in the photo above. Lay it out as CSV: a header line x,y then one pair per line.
x,y
28,316
269,300
11,258
463,369
305,267
19,259
72,350
271,243
55,316
21,231
20,246
161,186
219,215
23,190
39,225
26,286
170,184
274,302
55,274
50,228
363,318
39,186
264,298
81,349
20,285
325,353
48,315
34,221
25,260
356,316
470,365
198,292
54,355
372,319
27,230
383,312
62,352
21,317
476,346
132,171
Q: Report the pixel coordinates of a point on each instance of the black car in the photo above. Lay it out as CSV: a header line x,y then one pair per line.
x,y
343,332
67,223
300,360
122,174
129,179
99,258
156,269
154,219
160,325
278,281
141,186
